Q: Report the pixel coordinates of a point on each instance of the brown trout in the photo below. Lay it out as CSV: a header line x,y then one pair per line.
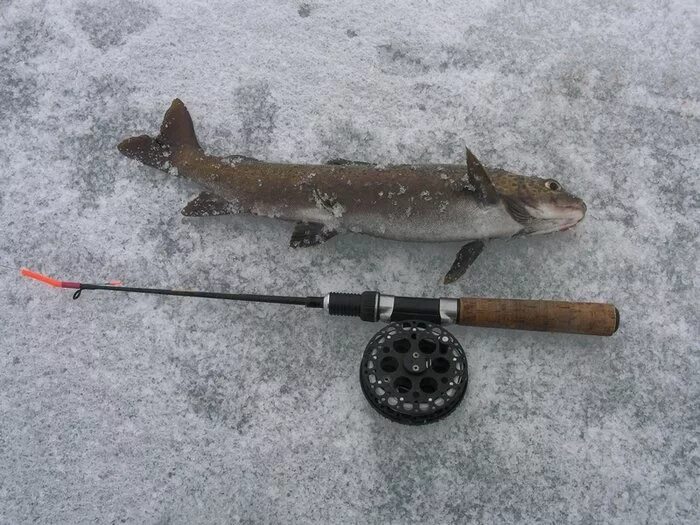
x,y
429,203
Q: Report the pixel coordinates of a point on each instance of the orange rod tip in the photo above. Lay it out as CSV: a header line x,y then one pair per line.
x,y
26,272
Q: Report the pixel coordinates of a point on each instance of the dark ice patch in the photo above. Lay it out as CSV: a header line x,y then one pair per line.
x,y
211,391
460,58
106,101
258,112
18,92
343,139
166,519
399,60
109,24
24,40
304,10
29,38
206,391
573,82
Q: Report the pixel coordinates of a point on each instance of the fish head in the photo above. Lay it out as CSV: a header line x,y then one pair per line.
x,y
540,205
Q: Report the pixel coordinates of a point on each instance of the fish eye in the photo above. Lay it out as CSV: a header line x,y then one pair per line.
x,y
553,185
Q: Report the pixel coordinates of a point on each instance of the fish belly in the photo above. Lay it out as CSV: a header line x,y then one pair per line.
x,y
461,223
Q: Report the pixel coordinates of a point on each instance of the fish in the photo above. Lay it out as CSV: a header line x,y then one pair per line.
x,y
407,202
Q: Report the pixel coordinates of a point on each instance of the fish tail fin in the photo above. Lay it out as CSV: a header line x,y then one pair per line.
x,y
176,134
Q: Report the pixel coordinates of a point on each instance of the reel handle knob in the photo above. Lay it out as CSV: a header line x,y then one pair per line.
x,y
544,316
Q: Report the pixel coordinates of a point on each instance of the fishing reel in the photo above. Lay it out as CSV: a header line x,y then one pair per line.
x,y
414,372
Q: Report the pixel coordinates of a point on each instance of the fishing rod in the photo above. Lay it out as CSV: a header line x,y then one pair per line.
x,y
547,316
413,371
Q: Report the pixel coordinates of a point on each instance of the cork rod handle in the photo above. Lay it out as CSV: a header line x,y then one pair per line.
x,y
544,316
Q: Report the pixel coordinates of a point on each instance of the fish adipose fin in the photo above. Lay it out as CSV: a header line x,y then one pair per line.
x,y
208,205
310,234
479,181
346,162
465,257
176,132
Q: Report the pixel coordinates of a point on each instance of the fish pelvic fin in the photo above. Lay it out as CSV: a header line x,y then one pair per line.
x,y
176,133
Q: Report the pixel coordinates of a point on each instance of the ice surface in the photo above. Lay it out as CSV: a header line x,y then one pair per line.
x,y
160,410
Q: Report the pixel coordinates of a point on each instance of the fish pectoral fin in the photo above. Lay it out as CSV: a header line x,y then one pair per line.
x,y
479,182
208,205
310,234
346,162
465,257
517,211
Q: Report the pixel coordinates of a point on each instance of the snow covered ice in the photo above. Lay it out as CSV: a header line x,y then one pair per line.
x,y
137,409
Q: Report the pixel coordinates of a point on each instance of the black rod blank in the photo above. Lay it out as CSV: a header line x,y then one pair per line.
x,y
309,302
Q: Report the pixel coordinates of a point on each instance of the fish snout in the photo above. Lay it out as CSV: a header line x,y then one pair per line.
x,y
576,209
575,214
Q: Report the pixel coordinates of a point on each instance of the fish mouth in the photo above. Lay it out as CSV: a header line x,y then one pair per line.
x,y
548,219
574,214
568,226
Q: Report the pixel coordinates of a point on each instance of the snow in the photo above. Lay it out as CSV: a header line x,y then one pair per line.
x,y
124,408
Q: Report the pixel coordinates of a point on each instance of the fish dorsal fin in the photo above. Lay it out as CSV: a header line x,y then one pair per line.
x,y
346,162
310,234
479,181
208,205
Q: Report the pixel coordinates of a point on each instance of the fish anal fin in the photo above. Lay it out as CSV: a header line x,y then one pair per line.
x,y
465,257
208,205
310,234
346,162
479,181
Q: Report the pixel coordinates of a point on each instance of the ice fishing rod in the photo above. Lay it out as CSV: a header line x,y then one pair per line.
x,y
413,371
547,316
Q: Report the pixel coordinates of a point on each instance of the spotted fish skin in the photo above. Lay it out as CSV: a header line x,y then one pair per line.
x,y
429,203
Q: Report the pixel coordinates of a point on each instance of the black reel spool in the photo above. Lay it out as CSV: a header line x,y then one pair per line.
x,y
414,372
